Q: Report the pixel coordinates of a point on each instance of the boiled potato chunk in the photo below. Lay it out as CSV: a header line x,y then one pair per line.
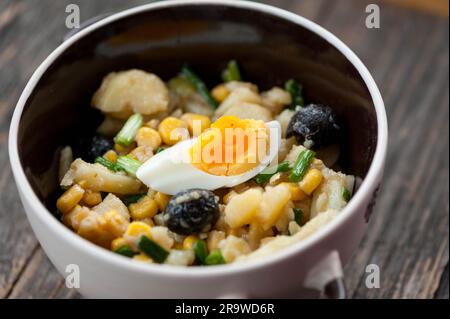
x,y
134,91
272,205
242,208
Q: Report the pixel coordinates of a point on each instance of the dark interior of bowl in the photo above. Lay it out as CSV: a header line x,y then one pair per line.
x,y
269,49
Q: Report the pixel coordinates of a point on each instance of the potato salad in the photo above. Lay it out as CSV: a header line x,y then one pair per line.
x,y
182,174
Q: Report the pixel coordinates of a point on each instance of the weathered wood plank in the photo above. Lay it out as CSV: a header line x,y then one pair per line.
x,y
408,57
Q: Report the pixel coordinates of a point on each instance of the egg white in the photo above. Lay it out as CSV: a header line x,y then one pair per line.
x,y
170,171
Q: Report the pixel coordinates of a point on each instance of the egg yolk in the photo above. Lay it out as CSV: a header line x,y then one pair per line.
x,y
231,146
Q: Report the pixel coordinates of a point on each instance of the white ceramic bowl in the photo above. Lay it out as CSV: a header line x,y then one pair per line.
x,y
288,273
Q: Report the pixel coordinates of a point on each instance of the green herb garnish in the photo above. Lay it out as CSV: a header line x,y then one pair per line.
x,y
301,165
152,249
108,164
296,92
201,252
200,86
215,258
125,251
231,73
298,215
126,135
263,178
128,164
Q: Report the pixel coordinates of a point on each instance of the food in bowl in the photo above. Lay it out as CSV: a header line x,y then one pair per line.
x,y
182,175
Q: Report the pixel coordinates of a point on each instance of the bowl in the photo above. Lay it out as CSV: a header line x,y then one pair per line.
x,y
272,45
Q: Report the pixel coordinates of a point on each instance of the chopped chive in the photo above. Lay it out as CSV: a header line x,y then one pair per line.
x,y
201,252
125,251
200,86
131,199
346,194
108,164
126,135
128,164
263,178
296,92
215,258
152,249
298,215
301,165
231,73
160,149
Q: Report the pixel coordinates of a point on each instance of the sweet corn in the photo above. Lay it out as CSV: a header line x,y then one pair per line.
x,y
296,191
91,198
148,137
220,93
70,199
124,149
111,156
189,241
117,243
228,196
136,229
161,199
142,257
197,123
144,208
312,179
173,130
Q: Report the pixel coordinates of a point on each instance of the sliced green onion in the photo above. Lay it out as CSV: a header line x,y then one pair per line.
x,y
160,149
296,92
131,199
128,164
301,165
346,194
181,86
126,135
152,249
298,215
108,164
263,178
125,251
201,252
200,86
215,258
231,73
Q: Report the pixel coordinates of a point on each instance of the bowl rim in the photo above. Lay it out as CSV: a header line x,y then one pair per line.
x,y
366,187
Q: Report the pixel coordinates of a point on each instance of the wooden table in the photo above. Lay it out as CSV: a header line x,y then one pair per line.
x,y
408,237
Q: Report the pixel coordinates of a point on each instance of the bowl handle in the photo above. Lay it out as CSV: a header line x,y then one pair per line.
x,y
85,24
327,276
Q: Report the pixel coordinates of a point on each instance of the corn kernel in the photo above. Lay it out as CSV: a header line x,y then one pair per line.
x,y
111,156
220,93
162,200
91,198
70,199
296,191
124,149
135,229
117,243
228,196
173,130
312,179
148,137
144,208
189,242
178,246
142,257
197,123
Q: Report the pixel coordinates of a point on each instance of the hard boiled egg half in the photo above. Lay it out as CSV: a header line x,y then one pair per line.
x,y
232,151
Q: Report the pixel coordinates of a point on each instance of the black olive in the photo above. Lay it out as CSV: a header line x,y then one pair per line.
x,y
88,148
316,123
192,211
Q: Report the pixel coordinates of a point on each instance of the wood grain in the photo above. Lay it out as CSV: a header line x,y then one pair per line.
x,y
408,237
